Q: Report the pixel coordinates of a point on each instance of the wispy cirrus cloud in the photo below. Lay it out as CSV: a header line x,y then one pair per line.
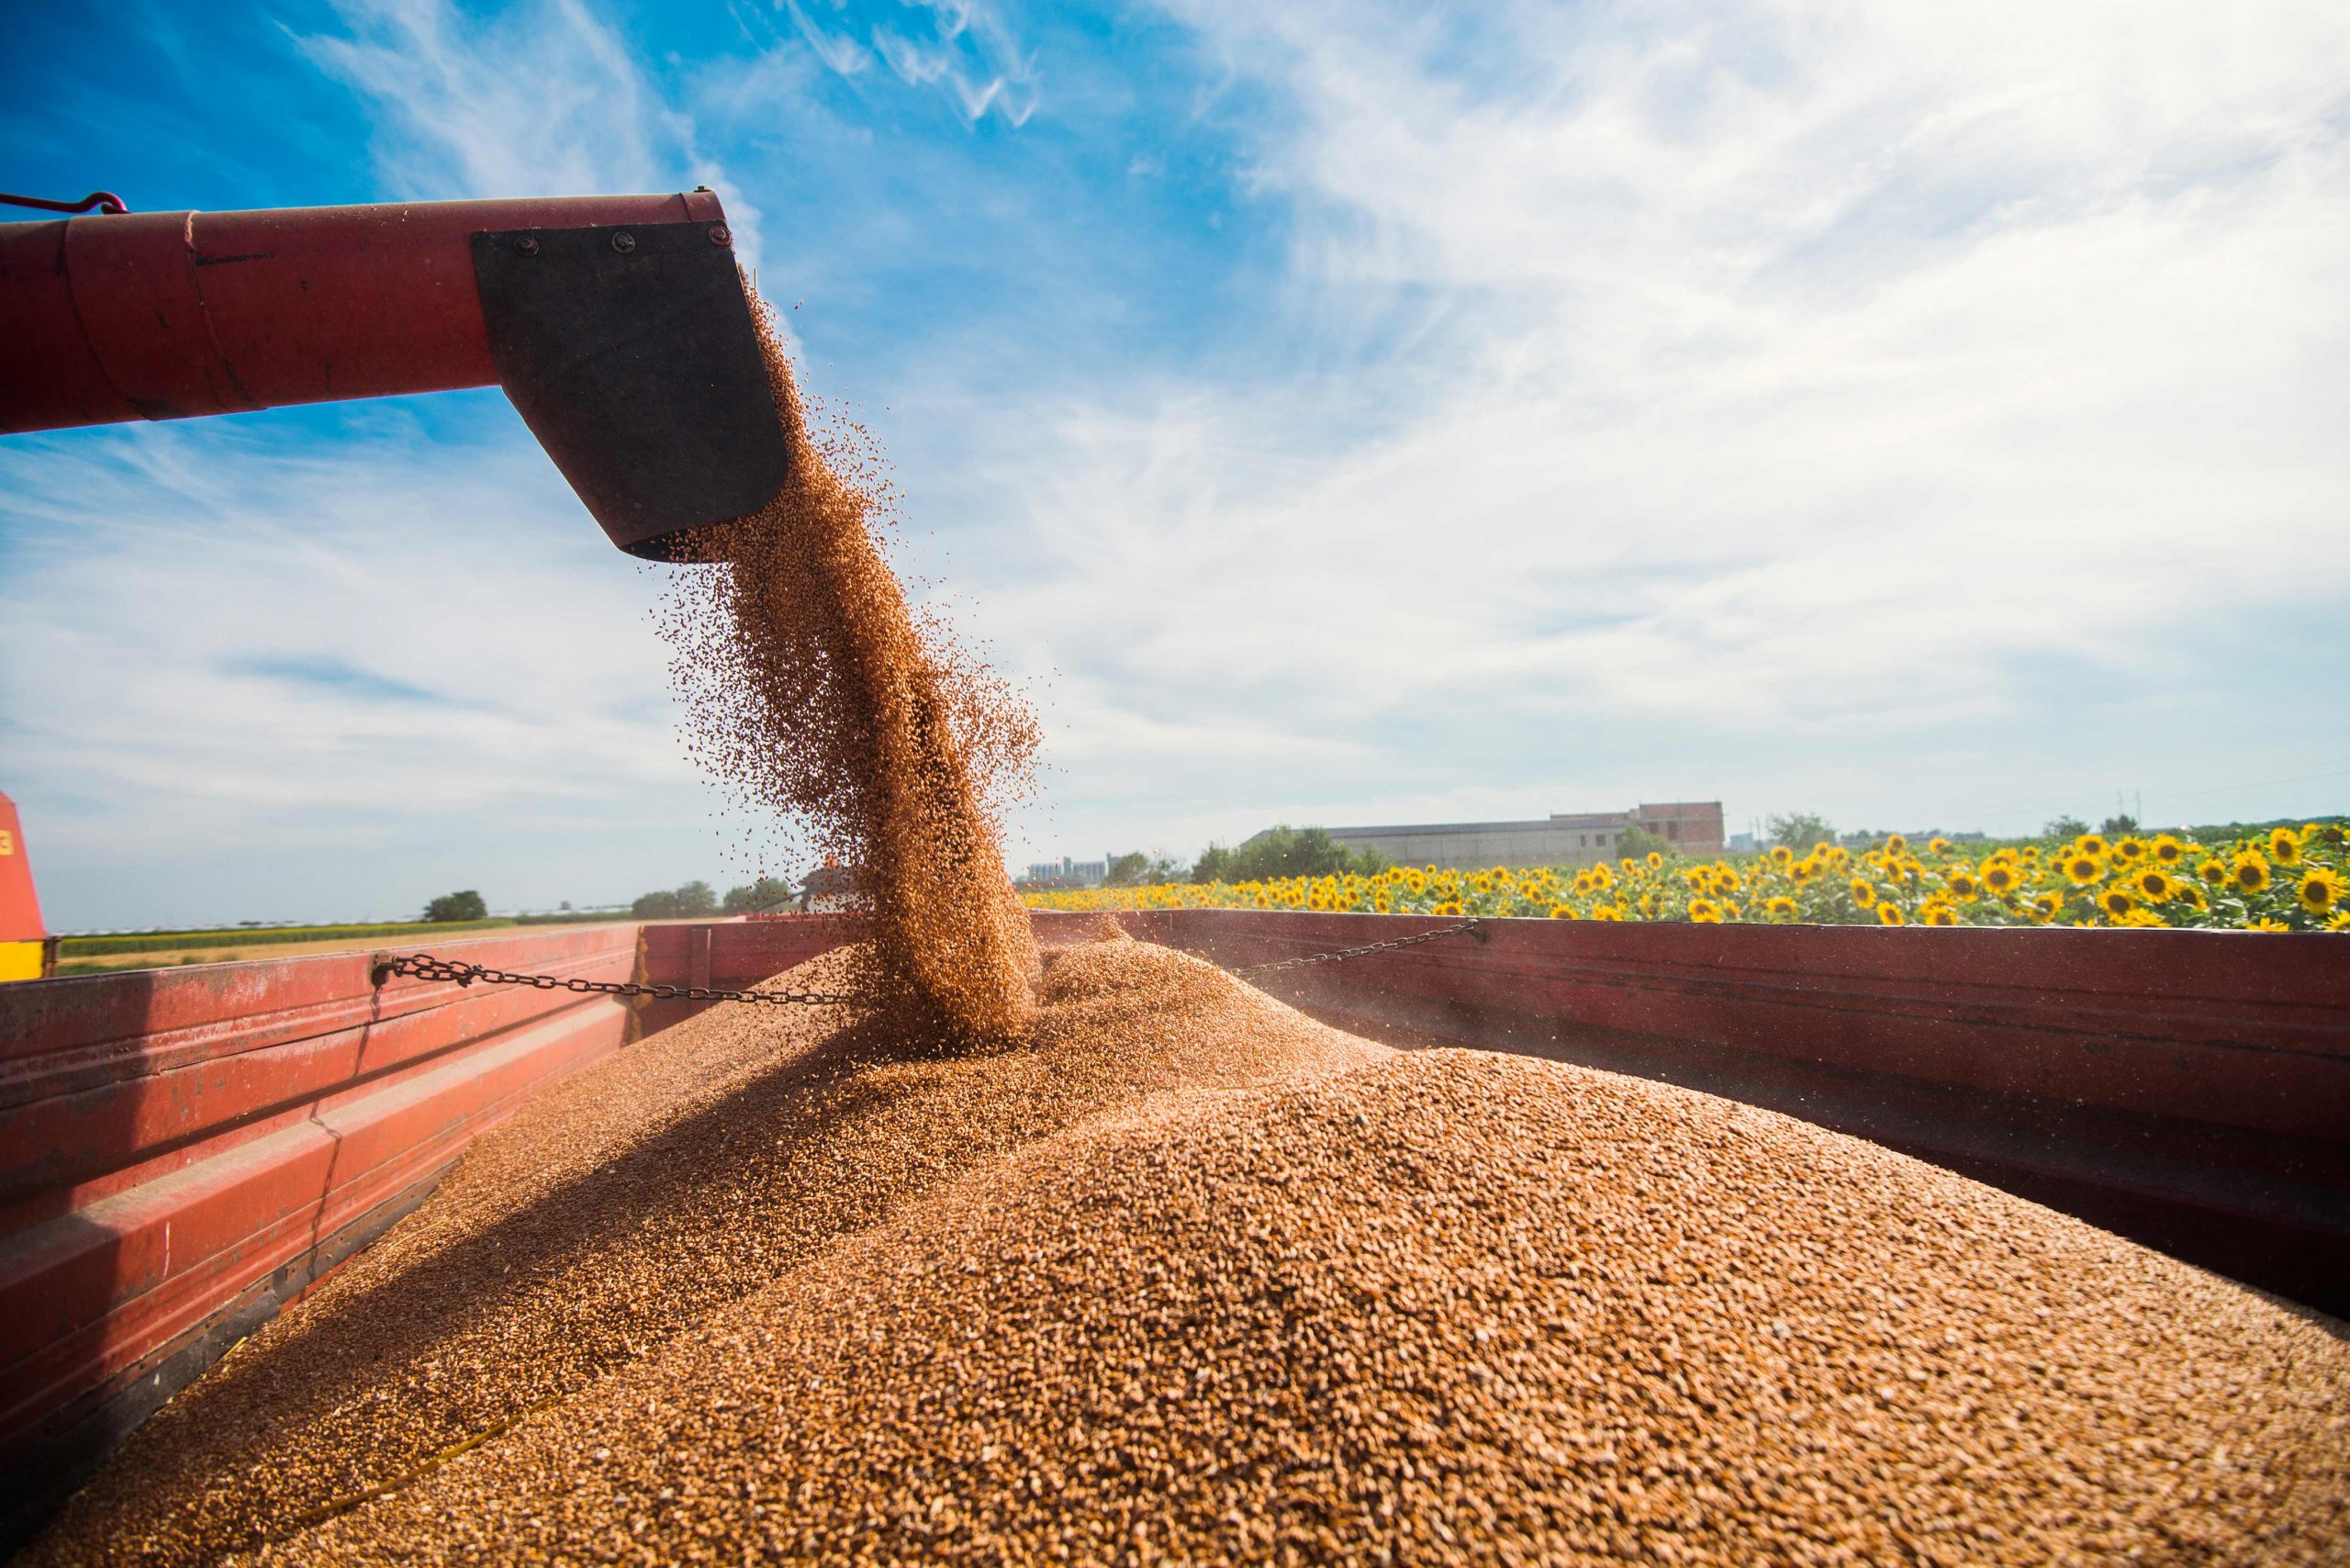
x,y
544,98
969,52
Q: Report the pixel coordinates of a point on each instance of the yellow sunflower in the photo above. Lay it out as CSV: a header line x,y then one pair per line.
x,y
2192,896
2321,890
1449,906
2154,884
1864,894
1889,913
2284,846
2213,870
2081,868
1937,913
2140,917
2266,926
1894,843
1963,886
2000,878
1804,871
2127,849
1562,912
1656,861
1607,912
1781,908
2115,900
2092,843
1937,846
2044,907
2250,874
1704,912
2167,850
1782,853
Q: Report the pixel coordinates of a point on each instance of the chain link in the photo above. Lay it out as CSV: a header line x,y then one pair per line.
x,y
424,966
1387,947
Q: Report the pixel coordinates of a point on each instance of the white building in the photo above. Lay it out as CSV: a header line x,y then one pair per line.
x,y
1067,873
1578,838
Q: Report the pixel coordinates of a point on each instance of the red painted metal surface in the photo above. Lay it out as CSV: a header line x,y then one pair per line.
x,y
19,904
170,1137
733,954
170,315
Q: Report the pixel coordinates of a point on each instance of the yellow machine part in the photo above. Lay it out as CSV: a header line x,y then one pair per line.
x,y
19,960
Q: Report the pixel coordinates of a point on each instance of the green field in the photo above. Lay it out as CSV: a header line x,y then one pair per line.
x,y
250,936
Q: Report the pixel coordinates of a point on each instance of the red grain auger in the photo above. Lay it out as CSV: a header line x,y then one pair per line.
x,y
618,325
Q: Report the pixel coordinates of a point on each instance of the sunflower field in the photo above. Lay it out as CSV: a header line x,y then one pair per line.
x,y
2282,878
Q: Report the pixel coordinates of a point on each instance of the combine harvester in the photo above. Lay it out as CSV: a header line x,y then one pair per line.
x,y
184,1151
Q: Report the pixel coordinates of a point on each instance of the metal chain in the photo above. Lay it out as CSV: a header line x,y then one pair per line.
x,y
105,201
424,966
1387,947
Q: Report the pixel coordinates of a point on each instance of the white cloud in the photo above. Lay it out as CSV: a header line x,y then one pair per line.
x,y
1764,370
264,630
543,99
971,56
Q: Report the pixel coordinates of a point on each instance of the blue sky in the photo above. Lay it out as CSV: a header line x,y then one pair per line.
x,y
1923,415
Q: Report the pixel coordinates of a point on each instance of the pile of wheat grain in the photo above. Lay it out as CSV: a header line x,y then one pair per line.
x,y
1184,1276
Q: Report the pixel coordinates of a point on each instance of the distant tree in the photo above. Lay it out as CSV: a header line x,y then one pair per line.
x,y
1285,851
688,902
2118,823
1215,865
1800,830
465,905
1126,871
767,894
1639,842
2062,827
